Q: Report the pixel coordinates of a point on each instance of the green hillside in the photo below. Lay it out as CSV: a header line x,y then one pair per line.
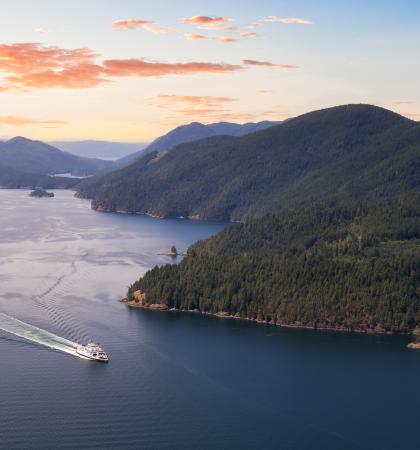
x,y
352,267
344,153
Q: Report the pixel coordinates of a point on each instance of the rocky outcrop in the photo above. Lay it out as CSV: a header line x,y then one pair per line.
x,y
40,192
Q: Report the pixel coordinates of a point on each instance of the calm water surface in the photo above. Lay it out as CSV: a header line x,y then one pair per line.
x,y
175,381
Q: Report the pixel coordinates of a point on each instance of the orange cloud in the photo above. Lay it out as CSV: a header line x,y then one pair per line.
x,y
130,24
143,68
195,37
18,121
288,20
34,66
225,39
253,62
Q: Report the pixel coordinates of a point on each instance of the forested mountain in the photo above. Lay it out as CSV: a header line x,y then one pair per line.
x,y
36,157
345,153
353,267
193,132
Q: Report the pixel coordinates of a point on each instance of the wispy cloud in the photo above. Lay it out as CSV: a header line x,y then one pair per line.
x,y
130,24
20,121
254,62
195,37
211,108
225,39
144,68
249,34
218,27
195,100
35,66
41,30
147,25
157,29
288,20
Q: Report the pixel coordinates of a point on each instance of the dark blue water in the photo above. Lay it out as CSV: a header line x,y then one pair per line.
x,y
175,381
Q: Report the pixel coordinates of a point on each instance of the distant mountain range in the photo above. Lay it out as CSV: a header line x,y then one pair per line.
x,y
342,153
27,163
40,158
99,149
193,132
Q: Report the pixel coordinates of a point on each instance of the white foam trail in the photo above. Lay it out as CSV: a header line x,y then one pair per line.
x,y
35,334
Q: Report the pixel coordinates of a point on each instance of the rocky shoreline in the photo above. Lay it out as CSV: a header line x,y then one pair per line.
x,y
226,315
100,207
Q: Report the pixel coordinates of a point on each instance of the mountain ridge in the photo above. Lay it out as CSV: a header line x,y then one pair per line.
x,y
195,131
342,152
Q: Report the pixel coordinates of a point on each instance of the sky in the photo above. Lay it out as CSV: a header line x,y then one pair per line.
x,y
131,70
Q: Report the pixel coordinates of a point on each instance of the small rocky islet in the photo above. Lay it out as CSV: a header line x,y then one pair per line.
x,y
40,193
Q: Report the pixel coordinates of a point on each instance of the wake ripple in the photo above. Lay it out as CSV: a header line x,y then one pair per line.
x,y
35,334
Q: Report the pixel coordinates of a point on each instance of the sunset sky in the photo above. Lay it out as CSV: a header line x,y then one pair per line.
x,y
131,70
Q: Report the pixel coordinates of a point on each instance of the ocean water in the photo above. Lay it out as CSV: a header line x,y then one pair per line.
x,y
174,381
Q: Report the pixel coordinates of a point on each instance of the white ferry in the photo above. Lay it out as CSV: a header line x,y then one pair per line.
x,y
93,352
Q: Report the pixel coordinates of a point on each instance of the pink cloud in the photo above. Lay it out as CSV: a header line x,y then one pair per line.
x,y
130,24
211,23
206,20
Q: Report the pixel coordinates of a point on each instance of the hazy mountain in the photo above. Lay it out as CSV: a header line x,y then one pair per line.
x,y
36,157
99,149
195,131
347,152
14,179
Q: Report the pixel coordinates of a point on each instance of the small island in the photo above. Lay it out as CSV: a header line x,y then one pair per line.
x,y
173,252
40,192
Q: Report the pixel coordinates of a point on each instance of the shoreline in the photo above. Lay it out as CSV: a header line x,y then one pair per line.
x,y
195,217
225,315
